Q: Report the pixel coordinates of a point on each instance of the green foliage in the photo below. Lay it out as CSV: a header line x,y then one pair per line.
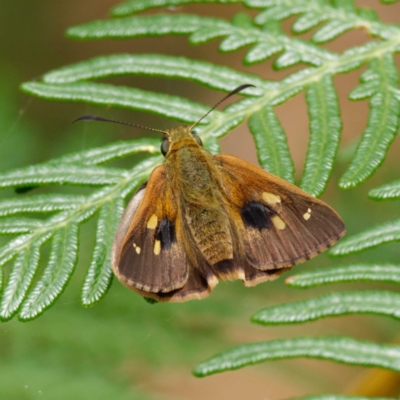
x,y
28,293
384,233
340,303
62,228
378,272
341,349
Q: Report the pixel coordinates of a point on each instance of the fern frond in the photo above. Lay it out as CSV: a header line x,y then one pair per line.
x,y
377,272
325,127
18,225
340,349
388,191
20,279
380,82
270,139
62,260
111,152
62,228
380,234
340,16
212,75
98,277
202,30
334,304
384,100
39,203
103,94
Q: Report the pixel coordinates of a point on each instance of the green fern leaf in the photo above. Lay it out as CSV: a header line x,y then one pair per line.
x,y
21,276
347,273
202,30
63,256
331,30
340,349
39,203
287,59
72,210
98,277
384,233
214,76
271,144
325,127
47,174
334,304
385,192
382,124
151,25
261,52
102,94
15,225
308,21
340,16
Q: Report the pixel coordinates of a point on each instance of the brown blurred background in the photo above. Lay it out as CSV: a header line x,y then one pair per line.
x,y
123,348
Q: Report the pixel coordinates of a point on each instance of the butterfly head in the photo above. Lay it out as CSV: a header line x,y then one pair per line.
x,y
182,136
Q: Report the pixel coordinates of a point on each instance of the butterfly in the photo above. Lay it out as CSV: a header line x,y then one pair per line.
x,y
202,217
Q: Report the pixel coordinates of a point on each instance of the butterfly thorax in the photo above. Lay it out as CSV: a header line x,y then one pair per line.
x,y
191,173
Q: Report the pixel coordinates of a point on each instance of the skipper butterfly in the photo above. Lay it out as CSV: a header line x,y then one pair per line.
x,y
203,217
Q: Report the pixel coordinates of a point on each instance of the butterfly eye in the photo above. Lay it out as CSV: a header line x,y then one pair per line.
x,y
198,140
164,147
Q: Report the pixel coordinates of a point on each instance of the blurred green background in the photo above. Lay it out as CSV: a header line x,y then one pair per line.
x,y
124,348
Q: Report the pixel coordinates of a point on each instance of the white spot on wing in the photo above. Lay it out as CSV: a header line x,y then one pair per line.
x,y
137,248
307,215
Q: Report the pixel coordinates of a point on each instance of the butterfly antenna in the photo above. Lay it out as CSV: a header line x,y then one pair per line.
x,y
234,91
96,118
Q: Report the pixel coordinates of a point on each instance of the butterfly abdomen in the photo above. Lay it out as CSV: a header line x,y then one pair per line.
x,y
211,232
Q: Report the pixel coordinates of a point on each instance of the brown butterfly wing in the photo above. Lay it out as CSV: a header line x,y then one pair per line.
x,y
278,224
148,254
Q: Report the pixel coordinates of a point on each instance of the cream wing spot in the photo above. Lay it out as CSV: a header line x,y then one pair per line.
x,y
270,198
278,222
137,248
307,215
157,247
152,222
